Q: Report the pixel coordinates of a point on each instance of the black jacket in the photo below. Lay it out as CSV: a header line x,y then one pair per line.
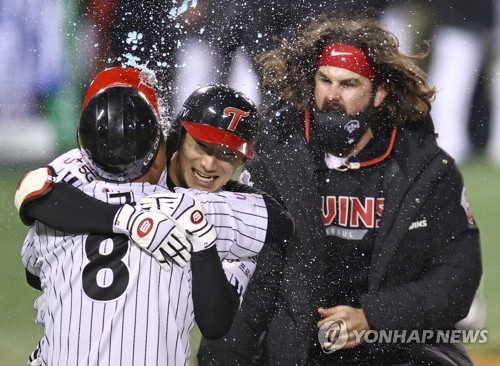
x,y
423,279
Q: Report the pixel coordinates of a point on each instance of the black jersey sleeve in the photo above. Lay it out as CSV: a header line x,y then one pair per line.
x,y
215,300
68,209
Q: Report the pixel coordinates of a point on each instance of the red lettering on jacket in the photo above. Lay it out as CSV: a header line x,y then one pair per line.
x,y
351,212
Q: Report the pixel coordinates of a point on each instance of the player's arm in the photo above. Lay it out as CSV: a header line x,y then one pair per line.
x,y
270,260
42,196
280,224
215,300
66,208
259,301
262,278
258,305
273,201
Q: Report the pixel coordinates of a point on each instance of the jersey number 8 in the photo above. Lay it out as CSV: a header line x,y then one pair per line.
x,y
105,277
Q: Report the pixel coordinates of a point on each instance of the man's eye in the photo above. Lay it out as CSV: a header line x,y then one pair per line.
x,y
228,154
349,83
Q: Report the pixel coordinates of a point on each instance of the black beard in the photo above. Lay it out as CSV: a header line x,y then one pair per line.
x,y
331,106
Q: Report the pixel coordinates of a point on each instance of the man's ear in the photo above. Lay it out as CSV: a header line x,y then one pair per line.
x,y
380,95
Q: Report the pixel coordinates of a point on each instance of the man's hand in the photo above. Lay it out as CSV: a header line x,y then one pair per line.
x,y
187,214
354,319
155,233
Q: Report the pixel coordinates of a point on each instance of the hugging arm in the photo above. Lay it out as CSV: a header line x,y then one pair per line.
x,y
68,209
43,195
215,299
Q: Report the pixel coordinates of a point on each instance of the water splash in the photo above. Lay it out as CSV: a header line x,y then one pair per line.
x,y
135,38
131,60
176,11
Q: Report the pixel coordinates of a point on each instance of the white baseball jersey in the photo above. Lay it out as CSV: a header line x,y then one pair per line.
x,y
115,305
239,218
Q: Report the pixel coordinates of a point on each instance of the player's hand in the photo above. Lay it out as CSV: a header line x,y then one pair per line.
x,y
155,233
187,214
355,320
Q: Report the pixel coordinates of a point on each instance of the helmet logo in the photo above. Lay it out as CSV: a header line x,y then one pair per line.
x,y
145,227
238,114
184,111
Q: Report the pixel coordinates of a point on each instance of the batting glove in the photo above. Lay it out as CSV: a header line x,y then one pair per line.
x,y
155,233
187,214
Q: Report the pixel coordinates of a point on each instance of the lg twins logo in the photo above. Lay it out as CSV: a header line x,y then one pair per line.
x,y
145,227
237,115
196,216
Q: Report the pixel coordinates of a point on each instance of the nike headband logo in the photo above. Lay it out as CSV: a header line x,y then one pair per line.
x,y
347,57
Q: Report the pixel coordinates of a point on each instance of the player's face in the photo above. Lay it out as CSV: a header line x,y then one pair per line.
x,y
204,166
345,91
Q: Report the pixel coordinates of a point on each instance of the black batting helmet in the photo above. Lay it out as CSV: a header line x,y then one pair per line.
x,y
119,133
221,115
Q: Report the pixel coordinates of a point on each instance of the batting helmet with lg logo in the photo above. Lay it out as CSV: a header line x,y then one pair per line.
x,y
218,114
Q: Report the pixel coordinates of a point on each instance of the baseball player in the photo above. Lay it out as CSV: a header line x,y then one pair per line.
x,y
100,272
211,137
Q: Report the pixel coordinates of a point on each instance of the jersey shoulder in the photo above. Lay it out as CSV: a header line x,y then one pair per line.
x,y
71,168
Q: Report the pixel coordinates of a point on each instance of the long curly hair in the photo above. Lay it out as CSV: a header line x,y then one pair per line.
x,y
289,70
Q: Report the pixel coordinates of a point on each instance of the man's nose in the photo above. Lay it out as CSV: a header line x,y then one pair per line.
x,y
209,162
333,92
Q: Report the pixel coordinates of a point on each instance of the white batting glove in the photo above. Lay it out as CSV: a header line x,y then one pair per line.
x,y
187,214
155,233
